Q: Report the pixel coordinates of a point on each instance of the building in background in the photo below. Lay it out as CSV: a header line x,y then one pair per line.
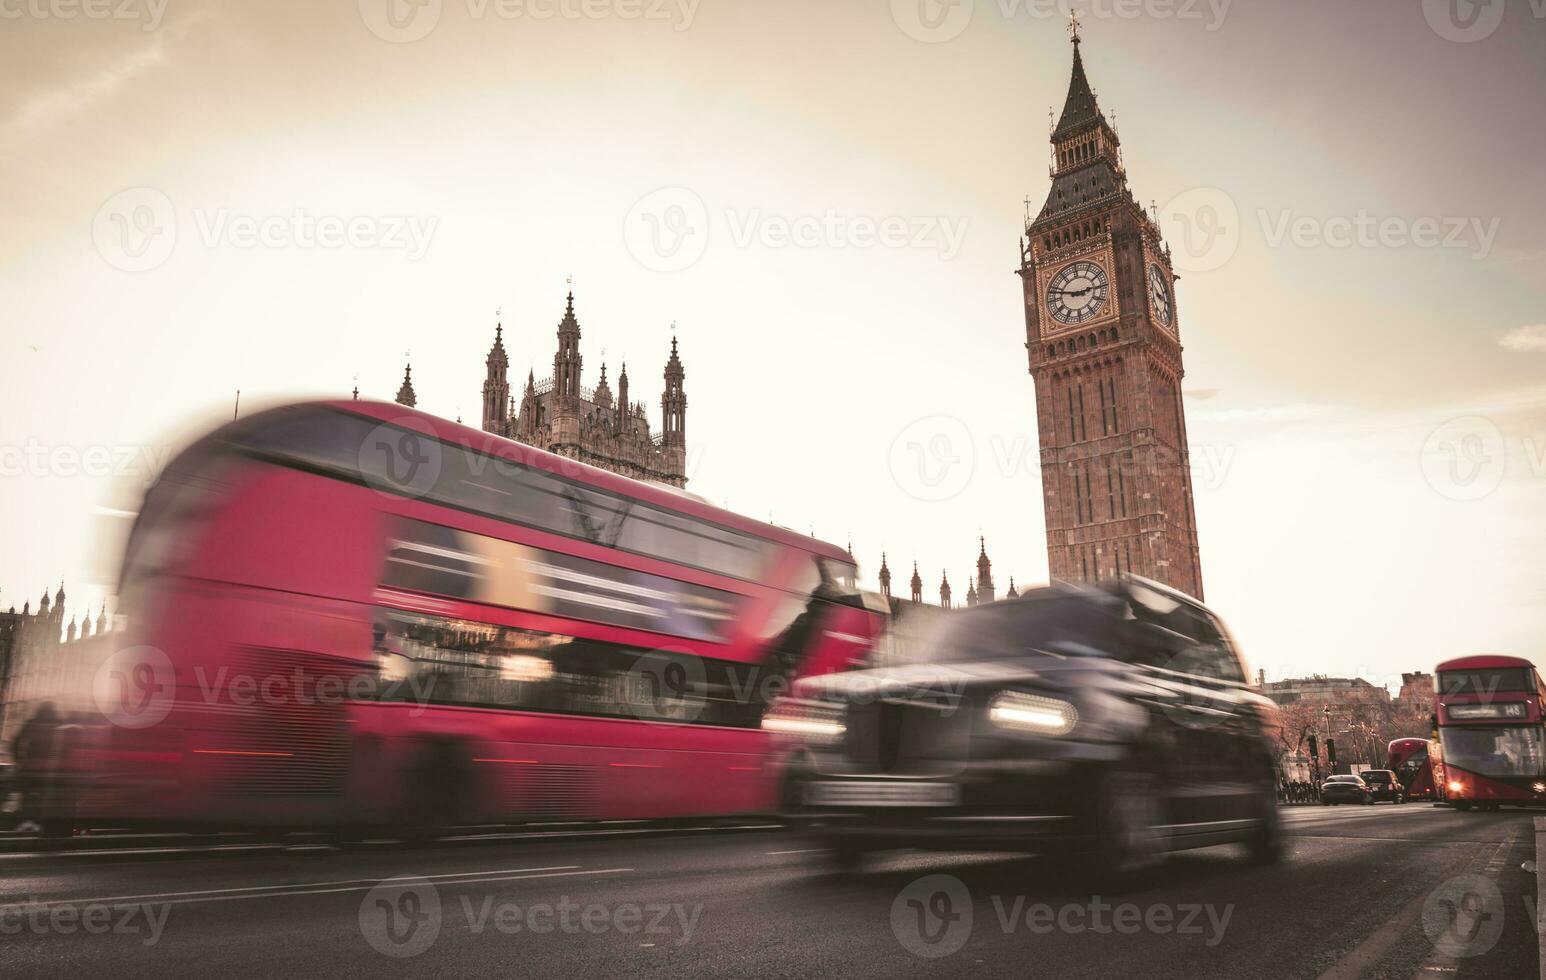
x,y
1323,691
561,415
1103,337
43,657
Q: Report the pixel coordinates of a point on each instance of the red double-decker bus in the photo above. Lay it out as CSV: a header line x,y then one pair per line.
x,y
1408,759
354,615
1492,737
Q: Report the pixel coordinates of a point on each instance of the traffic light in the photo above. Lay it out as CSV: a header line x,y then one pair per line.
x,y
1331,752
1315,752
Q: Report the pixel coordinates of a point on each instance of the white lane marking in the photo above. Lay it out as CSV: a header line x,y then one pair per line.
x,y
803,850
122,851
306,888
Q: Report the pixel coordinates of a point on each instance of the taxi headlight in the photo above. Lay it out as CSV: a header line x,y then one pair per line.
x,y
813,723
1033,713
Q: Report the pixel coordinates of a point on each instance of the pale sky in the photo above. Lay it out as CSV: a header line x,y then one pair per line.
x,y
1363,300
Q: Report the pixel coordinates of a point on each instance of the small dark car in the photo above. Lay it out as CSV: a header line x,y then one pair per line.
x,y
1345,789
1383,785
1112,720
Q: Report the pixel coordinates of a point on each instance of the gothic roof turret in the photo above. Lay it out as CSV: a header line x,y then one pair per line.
x,y
496,354
603,390
674,370
405,395
569,324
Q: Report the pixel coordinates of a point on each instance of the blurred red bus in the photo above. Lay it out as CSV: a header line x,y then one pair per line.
x,y
356,615
1491,733
1408,759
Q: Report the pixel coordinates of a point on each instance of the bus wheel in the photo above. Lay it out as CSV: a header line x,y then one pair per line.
x,y
1461,805
54,832
437,794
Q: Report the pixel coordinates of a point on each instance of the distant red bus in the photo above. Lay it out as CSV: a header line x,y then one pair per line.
x,y
1408,759
355,615
1491,731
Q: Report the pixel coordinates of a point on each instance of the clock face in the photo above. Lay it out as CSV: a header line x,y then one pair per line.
x,y
1159,294
1077,293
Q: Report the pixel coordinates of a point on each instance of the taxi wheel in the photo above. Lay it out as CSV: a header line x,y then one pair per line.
x,y
846,855
1265,845
1127,815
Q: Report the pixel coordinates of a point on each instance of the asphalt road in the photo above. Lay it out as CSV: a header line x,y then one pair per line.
x,y
1364,891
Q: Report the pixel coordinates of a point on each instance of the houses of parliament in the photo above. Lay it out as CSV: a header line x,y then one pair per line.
x,y
561,415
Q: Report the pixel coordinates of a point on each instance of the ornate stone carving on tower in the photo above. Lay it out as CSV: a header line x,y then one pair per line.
x,y
1103,339
560,415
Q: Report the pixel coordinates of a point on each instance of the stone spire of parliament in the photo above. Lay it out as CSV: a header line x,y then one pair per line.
x,y
559,414
1104,343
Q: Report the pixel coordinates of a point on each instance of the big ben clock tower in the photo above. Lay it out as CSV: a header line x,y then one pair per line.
x,y
1104,340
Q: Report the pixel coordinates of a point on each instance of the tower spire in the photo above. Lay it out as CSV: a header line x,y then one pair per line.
x,y
405,395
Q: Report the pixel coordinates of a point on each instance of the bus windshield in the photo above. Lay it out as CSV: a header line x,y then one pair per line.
x,y
1510,750
1491,681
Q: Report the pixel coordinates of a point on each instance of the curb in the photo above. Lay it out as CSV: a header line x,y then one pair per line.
x,y
171,846
1540,894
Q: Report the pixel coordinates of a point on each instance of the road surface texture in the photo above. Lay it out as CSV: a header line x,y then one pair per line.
x,y
1383,891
